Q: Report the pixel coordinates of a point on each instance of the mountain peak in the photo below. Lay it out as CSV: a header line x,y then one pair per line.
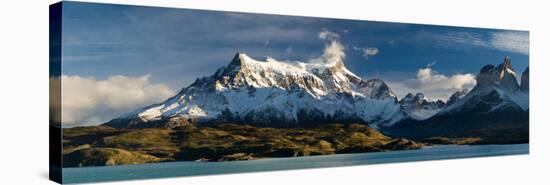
x,y
418,97
240,58
244,72
502,76
271,92
420,107
506,69
497,89
236,63
507,63
376,89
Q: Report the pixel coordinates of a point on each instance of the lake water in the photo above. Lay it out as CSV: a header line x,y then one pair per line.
x,y
178,169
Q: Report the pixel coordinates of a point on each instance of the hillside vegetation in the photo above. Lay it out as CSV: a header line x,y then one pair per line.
x,y
101,145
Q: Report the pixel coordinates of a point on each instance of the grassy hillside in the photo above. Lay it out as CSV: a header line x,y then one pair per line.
x,y
100,145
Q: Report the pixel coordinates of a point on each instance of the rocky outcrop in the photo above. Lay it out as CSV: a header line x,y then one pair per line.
x,y
402,144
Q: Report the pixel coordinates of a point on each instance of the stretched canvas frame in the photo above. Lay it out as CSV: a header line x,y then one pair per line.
x,y
146,92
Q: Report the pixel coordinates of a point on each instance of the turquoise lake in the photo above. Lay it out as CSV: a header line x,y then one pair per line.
x,y
178,169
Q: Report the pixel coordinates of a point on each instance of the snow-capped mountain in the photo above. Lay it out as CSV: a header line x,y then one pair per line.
x,y
274,93
420,107
496,89
496,103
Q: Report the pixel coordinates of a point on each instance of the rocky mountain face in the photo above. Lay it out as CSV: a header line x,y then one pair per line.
x,y
525,81
502,77
274,93
496,89
496,105
419,107
376,89
456,96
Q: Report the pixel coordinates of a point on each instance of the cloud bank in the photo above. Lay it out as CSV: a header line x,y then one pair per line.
x,y
433,84
426,78
88,101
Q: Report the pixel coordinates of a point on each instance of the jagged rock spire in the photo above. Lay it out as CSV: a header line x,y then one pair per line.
x,y
503,76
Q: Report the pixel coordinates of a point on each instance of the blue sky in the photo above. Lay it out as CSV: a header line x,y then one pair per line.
x,y
172,47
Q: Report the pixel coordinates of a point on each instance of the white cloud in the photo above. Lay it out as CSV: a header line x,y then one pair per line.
x,y
87,100
371,51
433,84
333,51
426,78
327,35
511,41
367,51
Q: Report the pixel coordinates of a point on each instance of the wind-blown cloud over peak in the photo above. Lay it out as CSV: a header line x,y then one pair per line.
x,y
333,51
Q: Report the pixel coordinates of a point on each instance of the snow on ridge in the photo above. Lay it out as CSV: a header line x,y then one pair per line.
x,y
248,85
286,67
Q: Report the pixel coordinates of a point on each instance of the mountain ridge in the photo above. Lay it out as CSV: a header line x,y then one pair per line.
x,y
285,94
496,106
299,94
